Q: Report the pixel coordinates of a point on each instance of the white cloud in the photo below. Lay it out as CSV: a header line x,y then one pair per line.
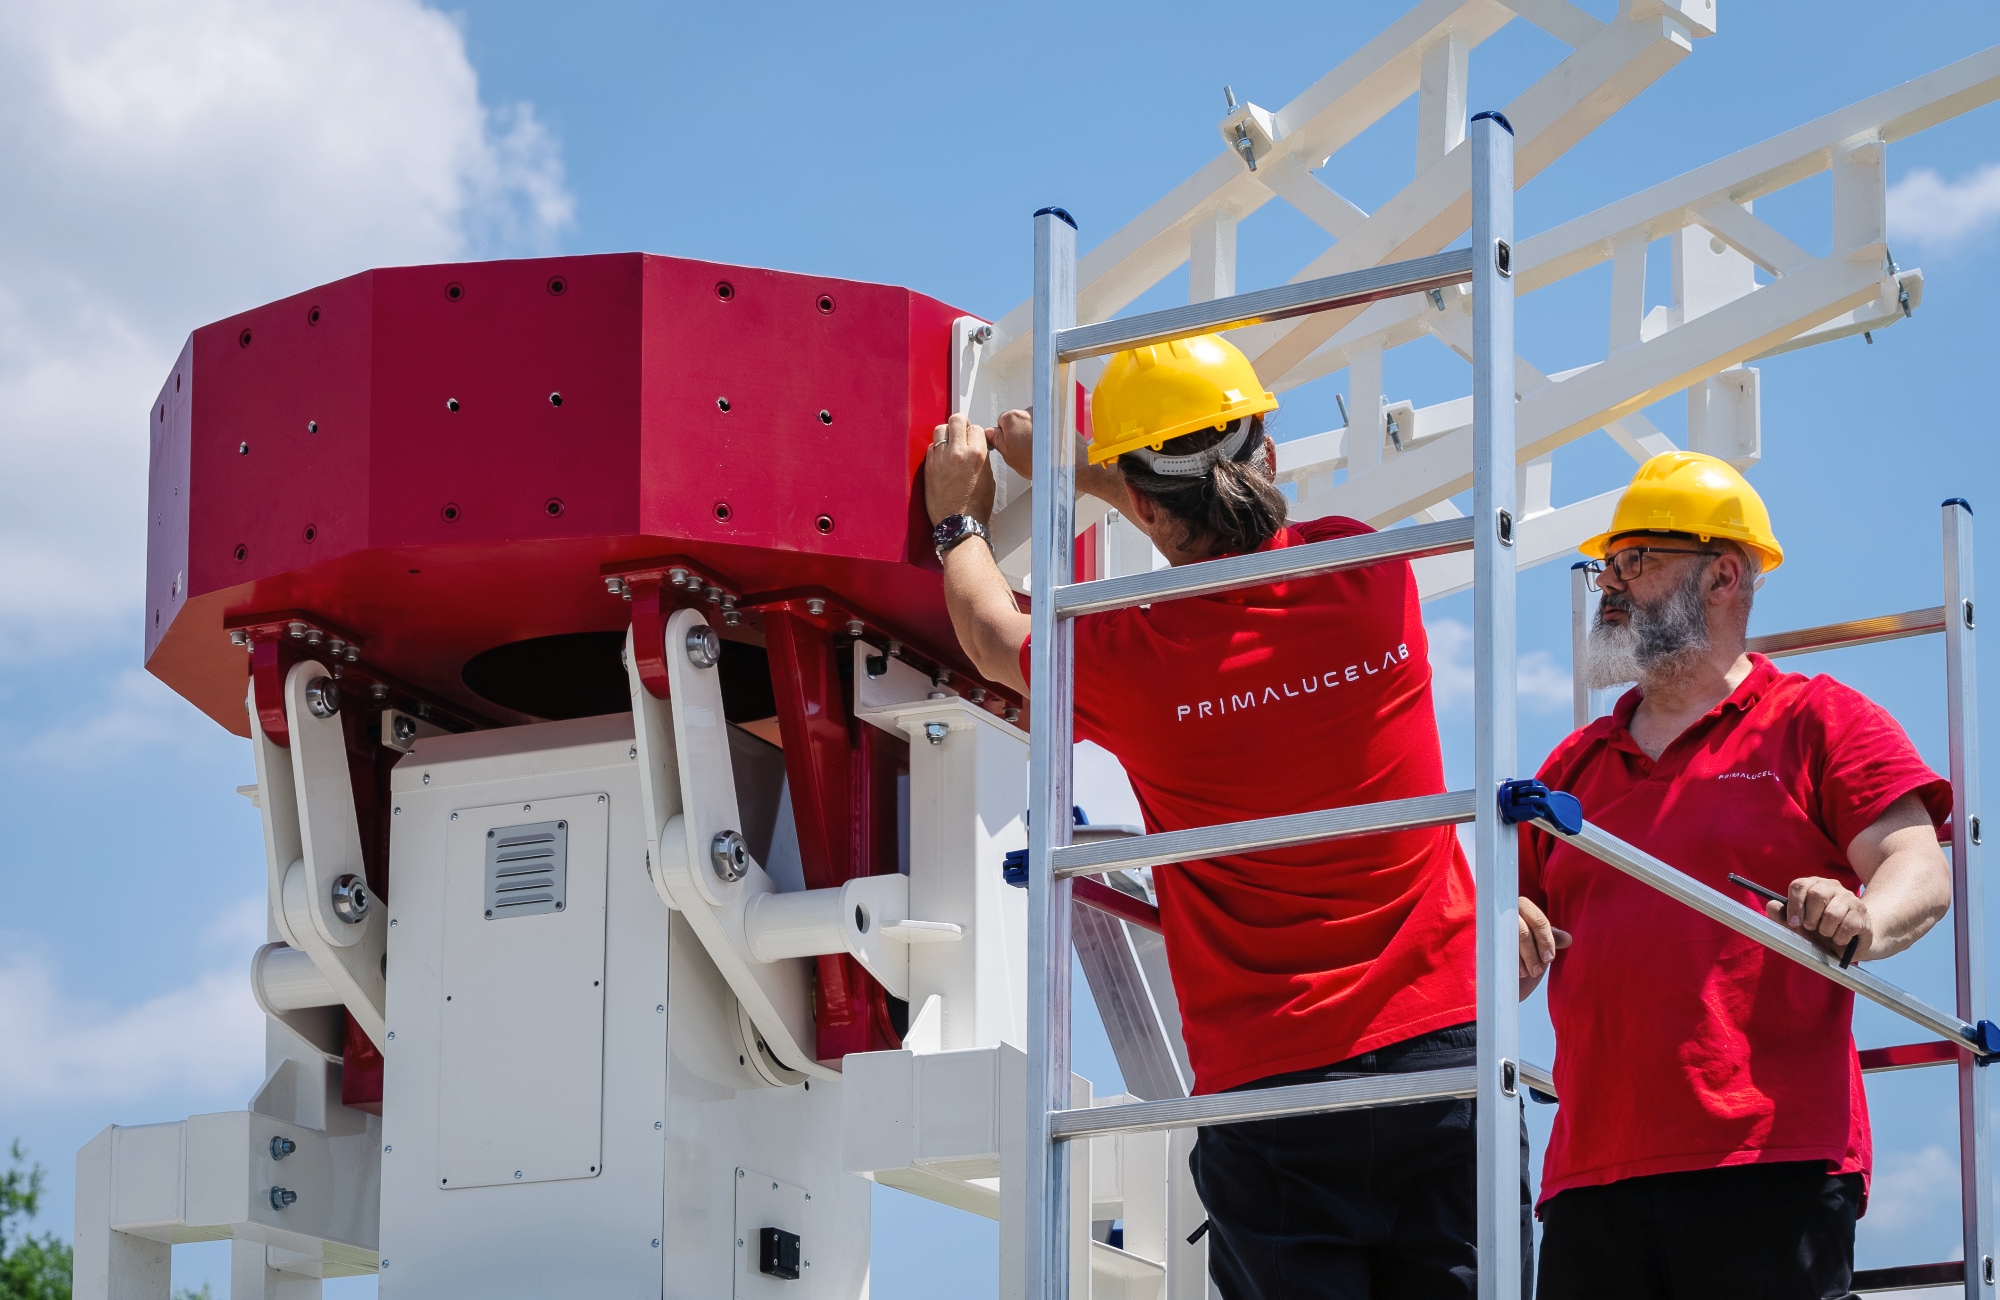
x,y
207,1037
1543,684
137,716
1911,1190
1925,208
170,164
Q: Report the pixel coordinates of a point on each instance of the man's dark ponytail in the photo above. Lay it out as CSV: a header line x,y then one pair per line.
x,y
1233,507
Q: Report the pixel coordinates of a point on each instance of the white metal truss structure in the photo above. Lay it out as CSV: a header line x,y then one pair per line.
x,y
1395,461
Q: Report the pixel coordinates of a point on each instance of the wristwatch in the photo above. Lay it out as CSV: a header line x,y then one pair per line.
x,y
954,529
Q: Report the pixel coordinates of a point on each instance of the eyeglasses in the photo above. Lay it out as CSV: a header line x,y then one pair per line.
x,y
1628,564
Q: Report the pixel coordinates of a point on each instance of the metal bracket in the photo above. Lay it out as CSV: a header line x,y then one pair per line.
x,y
688,792
312,838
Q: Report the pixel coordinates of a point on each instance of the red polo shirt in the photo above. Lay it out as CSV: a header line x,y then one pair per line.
x,y
1680,1044
1288,698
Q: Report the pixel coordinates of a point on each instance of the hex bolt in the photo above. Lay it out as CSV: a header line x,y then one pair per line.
x,y
895,650
729,856
297,630
314,637
237,636
1013,714
855,627
675,577
282,1147
336,647
704,647
378,692
977,695
713,595
935,732
983,334
731,618
815,606
405,728
282,1196
323,697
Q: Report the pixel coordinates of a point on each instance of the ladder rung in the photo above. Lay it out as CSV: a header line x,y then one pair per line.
x,y
1369,284
1266,1103
1264,833
1258,567
1908,1056
1910,1277
1860,631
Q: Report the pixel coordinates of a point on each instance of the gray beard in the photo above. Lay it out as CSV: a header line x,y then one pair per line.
x,y
1656,644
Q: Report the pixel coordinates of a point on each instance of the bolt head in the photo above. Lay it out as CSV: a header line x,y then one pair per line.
x,y
704,647
323,697
935,732
855,627
729,855
815,606
351,900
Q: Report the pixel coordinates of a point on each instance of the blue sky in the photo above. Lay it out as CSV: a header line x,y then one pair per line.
x,y
169,169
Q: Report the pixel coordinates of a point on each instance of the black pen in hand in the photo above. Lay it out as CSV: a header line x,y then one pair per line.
x,y
1773,896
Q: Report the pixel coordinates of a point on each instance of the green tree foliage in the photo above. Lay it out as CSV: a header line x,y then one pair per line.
x,y
31,1267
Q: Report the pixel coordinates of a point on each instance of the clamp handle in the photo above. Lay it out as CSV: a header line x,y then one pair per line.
x,y
1524,800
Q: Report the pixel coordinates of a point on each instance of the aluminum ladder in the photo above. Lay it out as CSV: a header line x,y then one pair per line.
x,y
1052,860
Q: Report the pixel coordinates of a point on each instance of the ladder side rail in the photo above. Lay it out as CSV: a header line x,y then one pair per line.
x,y
1255,568
1495,869
1287,831
1753,924
1280,302
1579,642
1968,924
1046,1177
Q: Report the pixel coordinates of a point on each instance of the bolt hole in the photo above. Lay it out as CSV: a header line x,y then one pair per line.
x,y
242,552
554,506
824,523
555,399
558,286
451,404
454,291
450,513
311,534
312,316
826,417
725,290
826,304
243,339
163,413
177,383
722,512
722,404
861,918
312,426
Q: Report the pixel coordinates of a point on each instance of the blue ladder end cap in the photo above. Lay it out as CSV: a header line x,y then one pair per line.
x,y
1527,800
1501,118
1014,869
1960,502
1987,1035
1070,221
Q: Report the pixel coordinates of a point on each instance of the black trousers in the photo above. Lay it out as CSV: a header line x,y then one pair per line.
x,y
1357,1205
1780,1231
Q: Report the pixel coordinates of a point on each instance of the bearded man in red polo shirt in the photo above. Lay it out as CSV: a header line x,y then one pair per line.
x,y
1713,1137
1294,965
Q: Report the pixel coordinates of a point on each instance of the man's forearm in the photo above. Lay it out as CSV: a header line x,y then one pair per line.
x,y
1907,895
990,626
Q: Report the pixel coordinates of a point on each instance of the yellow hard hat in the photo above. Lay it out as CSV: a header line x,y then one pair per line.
x,y
1148,395
1687,492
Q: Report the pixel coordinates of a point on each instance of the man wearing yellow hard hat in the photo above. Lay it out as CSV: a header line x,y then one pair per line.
x,y
1713,1136
1291,965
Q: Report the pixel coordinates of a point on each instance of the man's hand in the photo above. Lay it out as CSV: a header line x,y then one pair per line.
x,y
958,479
1014,439
1540,942
1828,913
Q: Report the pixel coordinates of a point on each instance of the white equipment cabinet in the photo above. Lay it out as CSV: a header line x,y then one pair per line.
x,y
568,1093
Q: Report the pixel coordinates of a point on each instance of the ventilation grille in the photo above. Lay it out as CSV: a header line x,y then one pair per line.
x,y
527,869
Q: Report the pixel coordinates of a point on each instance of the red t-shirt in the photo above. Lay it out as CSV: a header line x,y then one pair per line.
x,y
1681,1044
1302,695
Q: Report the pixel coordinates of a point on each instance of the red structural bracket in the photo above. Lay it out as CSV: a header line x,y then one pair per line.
x,y
1102,897
1908,1056
276,641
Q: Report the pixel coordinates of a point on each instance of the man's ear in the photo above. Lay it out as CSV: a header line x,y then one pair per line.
x,y
1729,576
